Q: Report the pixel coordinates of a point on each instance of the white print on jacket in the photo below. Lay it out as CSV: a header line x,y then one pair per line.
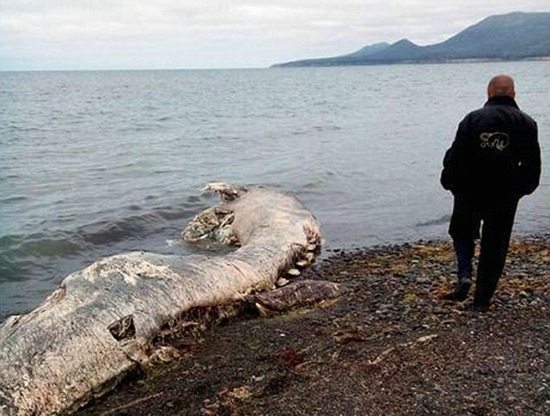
x,y
495,140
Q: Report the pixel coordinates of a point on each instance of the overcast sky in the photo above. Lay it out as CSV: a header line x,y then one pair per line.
x,y
166,34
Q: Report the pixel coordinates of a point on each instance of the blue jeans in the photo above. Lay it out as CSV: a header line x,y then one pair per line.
x,y
464,250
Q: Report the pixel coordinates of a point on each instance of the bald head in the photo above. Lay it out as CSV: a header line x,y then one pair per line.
x,y
501,85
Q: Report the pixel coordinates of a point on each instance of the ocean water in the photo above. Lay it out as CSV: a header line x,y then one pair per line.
x,y
98,163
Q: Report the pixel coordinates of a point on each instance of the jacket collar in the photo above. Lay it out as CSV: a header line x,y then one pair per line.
x,y
501,100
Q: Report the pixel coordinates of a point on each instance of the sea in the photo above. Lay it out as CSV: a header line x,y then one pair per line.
x,y
104,162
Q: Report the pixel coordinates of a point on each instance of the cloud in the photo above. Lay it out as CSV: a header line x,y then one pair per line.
x,y
222,33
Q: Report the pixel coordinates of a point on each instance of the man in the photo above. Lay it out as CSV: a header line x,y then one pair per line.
x,y
493,161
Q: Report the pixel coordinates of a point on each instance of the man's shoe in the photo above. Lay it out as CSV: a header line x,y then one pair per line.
x,y
480,307
460,292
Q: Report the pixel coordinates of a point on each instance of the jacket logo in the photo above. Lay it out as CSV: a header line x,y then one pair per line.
x,y
495,140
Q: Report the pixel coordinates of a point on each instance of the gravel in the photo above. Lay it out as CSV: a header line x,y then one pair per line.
x,y
388,346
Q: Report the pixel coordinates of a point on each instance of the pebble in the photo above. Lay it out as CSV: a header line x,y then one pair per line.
x,y
439,310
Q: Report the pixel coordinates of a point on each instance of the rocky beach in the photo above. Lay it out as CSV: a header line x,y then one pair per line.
x,y
387,346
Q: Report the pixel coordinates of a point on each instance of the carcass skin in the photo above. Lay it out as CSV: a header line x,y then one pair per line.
x,y
98,325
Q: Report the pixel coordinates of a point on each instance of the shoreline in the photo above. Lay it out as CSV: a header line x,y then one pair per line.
x,y
388,345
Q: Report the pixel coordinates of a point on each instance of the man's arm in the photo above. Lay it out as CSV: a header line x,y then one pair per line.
x,y
530,164
454,162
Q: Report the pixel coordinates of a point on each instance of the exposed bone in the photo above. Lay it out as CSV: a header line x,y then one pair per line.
x,y
302,263
282,282
293,272
212,225
310,256
225,191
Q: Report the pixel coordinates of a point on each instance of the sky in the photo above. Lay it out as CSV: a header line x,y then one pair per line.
x,y
200,34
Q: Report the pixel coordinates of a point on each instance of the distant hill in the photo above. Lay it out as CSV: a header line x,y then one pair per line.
x,y
513,36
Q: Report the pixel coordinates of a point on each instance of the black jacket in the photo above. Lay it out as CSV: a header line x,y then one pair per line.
x,y
495,152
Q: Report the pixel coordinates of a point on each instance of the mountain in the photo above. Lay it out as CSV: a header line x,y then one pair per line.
x,y
513,36
370,50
